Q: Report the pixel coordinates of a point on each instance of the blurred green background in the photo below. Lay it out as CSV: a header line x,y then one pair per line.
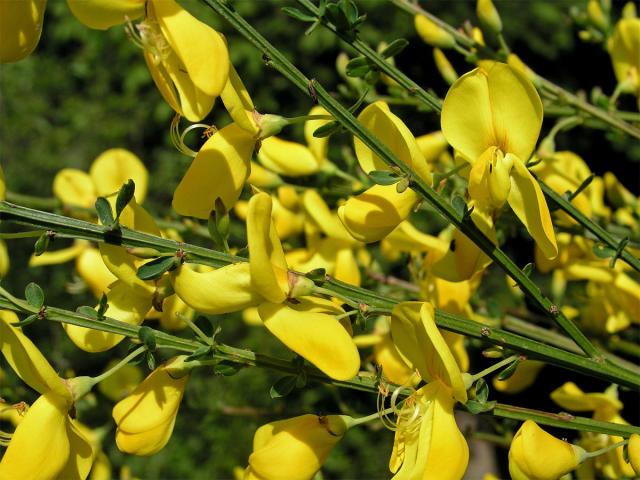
x,y
84,91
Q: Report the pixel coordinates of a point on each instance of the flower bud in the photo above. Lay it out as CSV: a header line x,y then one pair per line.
x,y
433,34
488,16
20,28
295,448
597,16
537,455
444,66
145,418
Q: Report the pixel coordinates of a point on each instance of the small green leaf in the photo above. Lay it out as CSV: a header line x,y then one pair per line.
x,y
34,295
102,307
527,269
394,48
358,67
148,337
200,352
42,244
155,268
298,15
384,177
327,129
27,321
482,391
459,205
105,214
350,10
301,379
475,407
402,185
283,386
87,311
151,361
125,194
509,370
336,15
226,369
317,275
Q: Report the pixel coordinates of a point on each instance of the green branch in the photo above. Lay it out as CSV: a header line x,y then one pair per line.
x,y
365,383
131,238
276,59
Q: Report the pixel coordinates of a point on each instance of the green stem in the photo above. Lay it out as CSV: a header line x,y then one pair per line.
x,y
304,118
197,330
604,450
370,418
119,365
494,367
466,226
31,234
331,287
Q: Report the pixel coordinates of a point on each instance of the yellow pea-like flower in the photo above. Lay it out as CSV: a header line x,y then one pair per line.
x,y
624,48
634,452
47,443
295,448
103,14
121,383
219,170
524,376
432,446
433,34
238,103
421,344
310,329
146,417
537,455
20,28
492,117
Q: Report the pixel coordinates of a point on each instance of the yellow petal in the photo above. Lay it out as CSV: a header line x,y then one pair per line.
x,y
219,170
114,167
81,454
121,383
391,131
153,402
267,262
394,368
407,238
372,215
74,187
287,158
528,203
27,361
534,454
224,290
318,337
127,303
168,90
295,448
569,396
174,311
102,14
262,178
54,257
39,448
238,103
432,33
634,452
94,272
317,145
346,269
148,442
625,51
20,28
200,48
4,259
524,376
494,106
327,221
419,341
432,145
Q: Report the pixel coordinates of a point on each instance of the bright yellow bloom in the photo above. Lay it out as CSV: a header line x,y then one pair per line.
x,y
537,455
634,452
372,215
47,443
188,60
294,159
428,443
121,383
433,34
624,48
295,448
492,117
219,170
522,378
20,28
145,418
606,407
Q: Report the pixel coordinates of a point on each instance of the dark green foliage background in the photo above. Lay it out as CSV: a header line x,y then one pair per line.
x,y
84,91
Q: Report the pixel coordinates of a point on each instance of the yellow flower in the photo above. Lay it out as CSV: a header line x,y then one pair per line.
x,y
634,452
537,455
188,60
20,28
121,383
47,443
624,48
433,34
427,415
492,117
146,417
219,171
522,378
372,215
295,448
606,407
